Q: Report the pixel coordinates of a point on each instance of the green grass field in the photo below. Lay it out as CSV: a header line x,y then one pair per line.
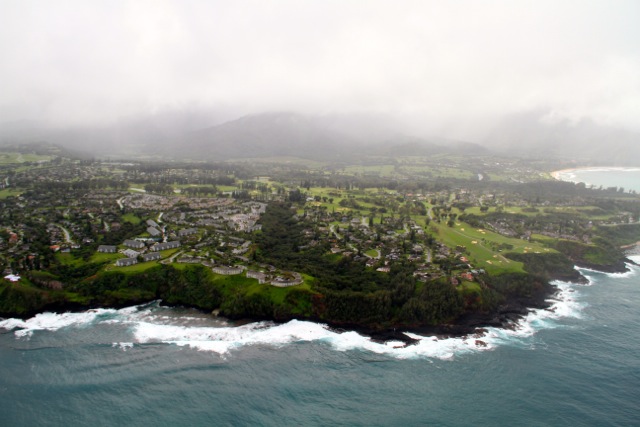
x,y
379,170
17,158
484,247
68,259
8,192
102,257
373,253
132,269
589,212
440,172
133,219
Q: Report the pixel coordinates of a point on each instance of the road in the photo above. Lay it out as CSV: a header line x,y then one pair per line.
x,y
119,202
67,235
171,258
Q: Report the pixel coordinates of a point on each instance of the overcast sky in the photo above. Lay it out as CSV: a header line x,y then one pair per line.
x,y
446,64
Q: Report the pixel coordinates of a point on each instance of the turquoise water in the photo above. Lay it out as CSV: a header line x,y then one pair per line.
x,y
627,178
576,364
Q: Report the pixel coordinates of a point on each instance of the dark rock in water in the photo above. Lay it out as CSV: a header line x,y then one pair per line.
x,y
480,343
618,267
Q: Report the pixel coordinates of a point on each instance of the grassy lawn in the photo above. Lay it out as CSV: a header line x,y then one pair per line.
x,y
101,257
590,212
132,269
277,295
469,287
13,158
441,172
133,219
379,170
373,253
68,259
168,252
311,164
482,245
8,192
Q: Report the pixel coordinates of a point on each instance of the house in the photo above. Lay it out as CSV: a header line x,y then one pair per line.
x,y
135,244
130,253
152,223
154,232
260,276
467,276
228,271
151,256
107,249
164,246
290,278
187,232
123,262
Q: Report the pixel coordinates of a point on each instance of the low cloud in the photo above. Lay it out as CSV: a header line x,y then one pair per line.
x,y
452,68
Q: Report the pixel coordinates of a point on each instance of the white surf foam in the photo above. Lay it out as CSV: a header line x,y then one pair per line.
x,y
52,321
124,346
154,324
634,258
224,339
632,270
48,321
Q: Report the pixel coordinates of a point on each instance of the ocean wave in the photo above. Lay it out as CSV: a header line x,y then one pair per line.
x,y
632,270
53,321
222,340
153,324
634,258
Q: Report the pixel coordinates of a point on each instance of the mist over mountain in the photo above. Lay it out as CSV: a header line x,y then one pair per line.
x,y
137,134
269,135
276,134
201,80
540,134
218,135
327,138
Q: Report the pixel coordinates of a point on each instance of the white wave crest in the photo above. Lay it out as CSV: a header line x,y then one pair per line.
x,y
223,339
632,270
124,346
154,324
52,321
634,258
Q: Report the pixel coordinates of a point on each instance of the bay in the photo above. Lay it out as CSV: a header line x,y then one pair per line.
x,y
626,178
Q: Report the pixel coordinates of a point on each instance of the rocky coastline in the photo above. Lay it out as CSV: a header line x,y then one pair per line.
x,y
469,324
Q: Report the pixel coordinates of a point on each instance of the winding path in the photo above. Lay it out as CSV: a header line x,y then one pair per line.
x,y
67,234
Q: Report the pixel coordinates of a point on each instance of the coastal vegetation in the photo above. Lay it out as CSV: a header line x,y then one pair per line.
x,y
408,242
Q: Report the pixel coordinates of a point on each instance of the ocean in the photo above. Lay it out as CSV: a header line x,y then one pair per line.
x,y
574,364
627,178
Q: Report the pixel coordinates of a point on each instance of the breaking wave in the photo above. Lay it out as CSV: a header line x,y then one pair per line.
x,y
154,324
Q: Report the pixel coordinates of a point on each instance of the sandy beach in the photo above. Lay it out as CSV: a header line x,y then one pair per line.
x,y
556,174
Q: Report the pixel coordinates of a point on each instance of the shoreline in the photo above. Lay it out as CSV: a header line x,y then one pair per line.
x,y
557,173
507,316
